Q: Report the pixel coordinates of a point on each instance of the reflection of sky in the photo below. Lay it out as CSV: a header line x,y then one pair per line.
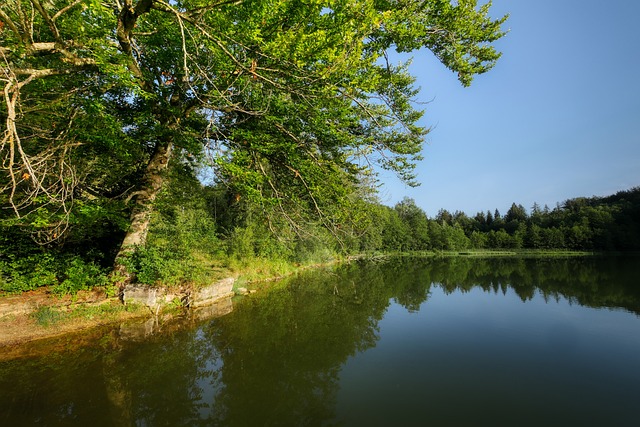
x,y
208,382
480,348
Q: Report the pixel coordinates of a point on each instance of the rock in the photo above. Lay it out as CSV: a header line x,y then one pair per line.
x,y
156,297
209,294
144,295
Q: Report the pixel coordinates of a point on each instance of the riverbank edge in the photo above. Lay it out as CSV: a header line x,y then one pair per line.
x,y
19,323
21,315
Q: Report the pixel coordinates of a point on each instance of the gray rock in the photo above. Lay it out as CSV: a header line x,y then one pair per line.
x,y
144,295
209,294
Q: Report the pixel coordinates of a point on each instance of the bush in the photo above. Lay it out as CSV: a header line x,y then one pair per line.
x,y
80,275
180,248
312,250
46,315
64,273
28,273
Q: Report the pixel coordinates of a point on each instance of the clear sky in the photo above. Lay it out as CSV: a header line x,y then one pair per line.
x,y
557,118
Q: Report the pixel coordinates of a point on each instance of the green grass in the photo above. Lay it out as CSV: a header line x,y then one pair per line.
x,y
46,315
51,315
101,311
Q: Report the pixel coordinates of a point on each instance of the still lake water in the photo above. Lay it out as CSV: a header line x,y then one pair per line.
x,y
404,342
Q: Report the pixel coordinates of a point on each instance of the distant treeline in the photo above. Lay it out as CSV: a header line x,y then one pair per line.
x,y
596,223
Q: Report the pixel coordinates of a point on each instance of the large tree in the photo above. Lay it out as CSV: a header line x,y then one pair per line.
x,y
294,102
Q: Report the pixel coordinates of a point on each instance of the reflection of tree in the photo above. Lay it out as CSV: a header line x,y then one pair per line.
x,y
118,392
277,358
285,347
60,389
169,378
590,281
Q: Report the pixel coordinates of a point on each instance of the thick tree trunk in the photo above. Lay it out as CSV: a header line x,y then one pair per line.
x,y
153,181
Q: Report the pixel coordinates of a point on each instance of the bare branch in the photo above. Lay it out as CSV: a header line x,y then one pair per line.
x,y
31,176
184,43
43,47
201,10
36,74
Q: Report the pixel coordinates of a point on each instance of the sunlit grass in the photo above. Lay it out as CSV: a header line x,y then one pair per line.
x,y
109,311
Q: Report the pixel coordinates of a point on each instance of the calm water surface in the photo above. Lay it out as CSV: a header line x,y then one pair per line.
x,y
406,342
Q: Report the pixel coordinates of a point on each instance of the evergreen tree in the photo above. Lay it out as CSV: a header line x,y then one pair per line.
x,y
416,222
516,213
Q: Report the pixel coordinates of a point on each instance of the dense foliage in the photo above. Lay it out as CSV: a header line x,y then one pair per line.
x,y
592,224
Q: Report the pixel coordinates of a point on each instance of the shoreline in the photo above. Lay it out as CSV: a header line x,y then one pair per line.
x,y
20,324
59,315
91,310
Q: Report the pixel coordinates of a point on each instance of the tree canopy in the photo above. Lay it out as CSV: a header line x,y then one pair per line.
x,y
294,104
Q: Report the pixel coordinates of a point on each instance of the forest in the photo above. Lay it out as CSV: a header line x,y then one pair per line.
x,y
609,223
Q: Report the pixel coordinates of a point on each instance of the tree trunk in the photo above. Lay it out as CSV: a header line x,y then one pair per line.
x,y
118,394
136,236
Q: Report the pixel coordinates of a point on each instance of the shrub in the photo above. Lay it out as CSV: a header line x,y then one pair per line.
x,y
28,273
80,275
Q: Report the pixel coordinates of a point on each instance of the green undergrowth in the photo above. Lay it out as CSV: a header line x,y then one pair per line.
x,y
63,274
165,266
260,269
47,315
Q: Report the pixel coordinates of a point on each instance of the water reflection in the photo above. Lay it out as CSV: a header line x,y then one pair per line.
x,y
284,355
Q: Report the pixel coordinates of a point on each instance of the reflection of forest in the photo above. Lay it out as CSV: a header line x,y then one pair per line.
x,y
285,348
610,282
277,357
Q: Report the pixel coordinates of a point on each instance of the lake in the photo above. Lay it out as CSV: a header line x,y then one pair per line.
x,y
405,342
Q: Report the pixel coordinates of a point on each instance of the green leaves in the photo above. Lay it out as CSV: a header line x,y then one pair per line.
x,y
458,33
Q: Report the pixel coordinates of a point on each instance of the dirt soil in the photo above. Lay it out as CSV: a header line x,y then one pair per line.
x,y
18,325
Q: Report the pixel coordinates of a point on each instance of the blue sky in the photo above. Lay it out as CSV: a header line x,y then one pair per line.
x,y
557,118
